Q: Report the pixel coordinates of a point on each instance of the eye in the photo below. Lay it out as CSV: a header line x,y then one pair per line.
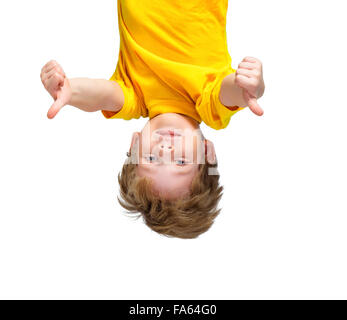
x,y
150,157
181,162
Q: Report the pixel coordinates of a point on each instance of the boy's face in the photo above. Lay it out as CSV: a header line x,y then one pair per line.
x,y
169,150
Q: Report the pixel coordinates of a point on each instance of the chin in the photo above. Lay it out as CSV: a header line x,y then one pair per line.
x,y
175,120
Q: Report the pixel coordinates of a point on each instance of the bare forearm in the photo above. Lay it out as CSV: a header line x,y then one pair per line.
x,y
96,94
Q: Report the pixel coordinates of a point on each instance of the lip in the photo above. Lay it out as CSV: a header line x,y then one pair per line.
x,y
168,132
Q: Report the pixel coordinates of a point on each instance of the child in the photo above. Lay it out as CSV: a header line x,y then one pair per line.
x,y
173,67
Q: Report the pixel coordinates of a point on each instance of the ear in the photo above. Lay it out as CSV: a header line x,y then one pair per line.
x,y
134,140
210,152
134,147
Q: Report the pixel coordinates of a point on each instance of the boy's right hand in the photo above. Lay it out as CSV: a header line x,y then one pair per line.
x,y
57,84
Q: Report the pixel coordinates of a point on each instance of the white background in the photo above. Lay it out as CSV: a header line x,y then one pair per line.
x,y
282,232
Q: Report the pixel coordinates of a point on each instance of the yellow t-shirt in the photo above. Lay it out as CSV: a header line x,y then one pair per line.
x,y
173,57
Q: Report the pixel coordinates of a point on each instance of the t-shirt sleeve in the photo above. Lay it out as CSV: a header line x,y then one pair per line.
x,y
132,108
211,110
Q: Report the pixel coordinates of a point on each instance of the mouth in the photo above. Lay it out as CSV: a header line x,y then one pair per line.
x,y
168,132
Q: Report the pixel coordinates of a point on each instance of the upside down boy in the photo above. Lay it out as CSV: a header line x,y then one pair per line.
x,y
174,68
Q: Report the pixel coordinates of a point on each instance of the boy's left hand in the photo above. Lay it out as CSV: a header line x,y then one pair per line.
x,y
249,77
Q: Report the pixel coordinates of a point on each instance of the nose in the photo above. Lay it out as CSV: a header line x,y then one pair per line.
x,y
166,143
166,147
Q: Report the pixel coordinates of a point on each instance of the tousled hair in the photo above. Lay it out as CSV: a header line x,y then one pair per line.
x,y
186,217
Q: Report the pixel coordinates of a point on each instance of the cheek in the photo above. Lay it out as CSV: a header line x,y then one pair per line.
x,y
144,147
200,153
194,149
155,147
139,171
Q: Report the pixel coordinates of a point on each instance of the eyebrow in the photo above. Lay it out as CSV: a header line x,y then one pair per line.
x,y
149,167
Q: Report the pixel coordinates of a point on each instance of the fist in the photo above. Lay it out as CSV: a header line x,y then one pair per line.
x,y
56,83
249,77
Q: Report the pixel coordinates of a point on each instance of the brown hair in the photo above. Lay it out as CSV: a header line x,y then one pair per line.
x,y
186,217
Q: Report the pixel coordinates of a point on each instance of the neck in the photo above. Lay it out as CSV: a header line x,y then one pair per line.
x,y
174,120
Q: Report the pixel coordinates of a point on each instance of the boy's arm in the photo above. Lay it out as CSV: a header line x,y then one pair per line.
x,y
83,93
96,94
244,87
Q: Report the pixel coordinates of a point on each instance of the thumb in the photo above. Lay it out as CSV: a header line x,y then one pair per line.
x,y
253,104
55,108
